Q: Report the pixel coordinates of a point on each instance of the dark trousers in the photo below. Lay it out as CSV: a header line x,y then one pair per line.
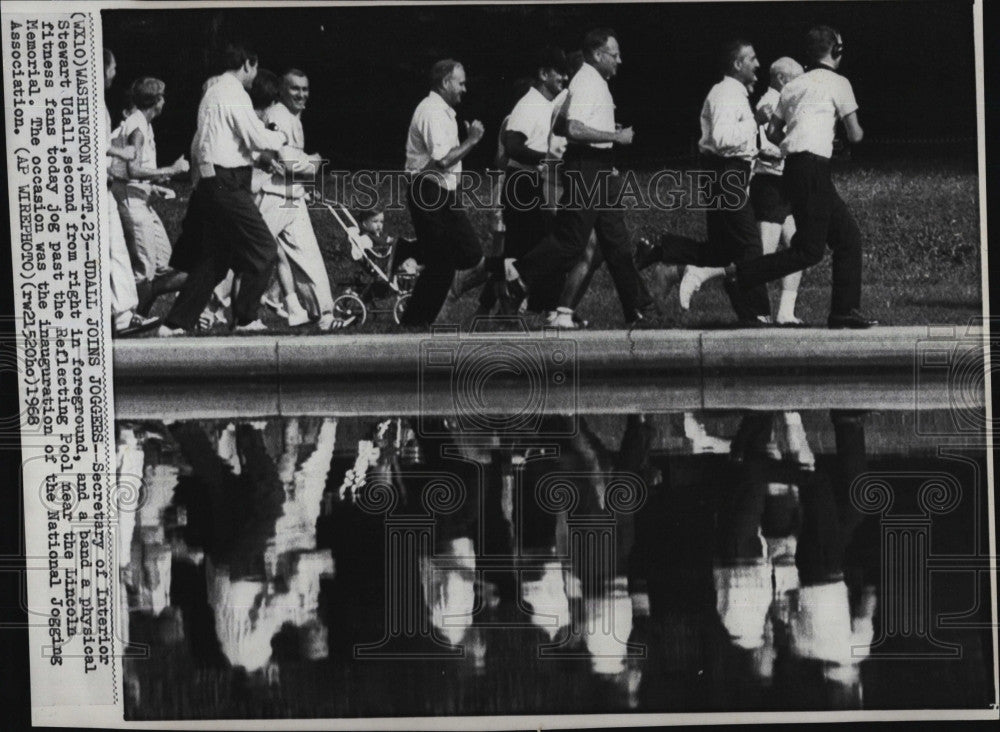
x,y
449,243
232,236
524,220
526,223
590,202
821,219
733,234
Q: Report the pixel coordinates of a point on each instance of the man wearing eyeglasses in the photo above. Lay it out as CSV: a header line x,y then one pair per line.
x,y
591,195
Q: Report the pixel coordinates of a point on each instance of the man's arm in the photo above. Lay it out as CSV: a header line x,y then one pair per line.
x,y
853,128
775,131
457,153
579,132
515,144
255,136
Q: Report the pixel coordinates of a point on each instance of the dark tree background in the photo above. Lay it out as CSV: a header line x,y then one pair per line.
x,y
912,64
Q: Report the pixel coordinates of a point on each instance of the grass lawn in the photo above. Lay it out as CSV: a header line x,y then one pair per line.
x,y
920,222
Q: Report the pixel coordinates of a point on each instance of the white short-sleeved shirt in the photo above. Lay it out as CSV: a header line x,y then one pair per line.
x,y
145,156
765,165
810,106
433,133
728,126
292,155
591,103
532,117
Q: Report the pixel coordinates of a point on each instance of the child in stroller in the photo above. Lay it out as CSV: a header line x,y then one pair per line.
x,y
388,266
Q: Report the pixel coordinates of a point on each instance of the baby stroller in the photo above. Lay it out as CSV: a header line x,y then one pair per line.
x,y
377,279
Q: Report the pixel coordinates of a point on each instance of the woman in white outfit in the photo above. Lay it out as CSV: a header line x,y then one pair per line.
x,y
135,188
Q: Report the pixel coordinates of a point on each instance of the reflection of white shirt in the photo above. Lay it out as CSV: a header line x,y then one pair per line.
x,y
765,165
229,131
433,134
532,117
728,127
810,106
591,103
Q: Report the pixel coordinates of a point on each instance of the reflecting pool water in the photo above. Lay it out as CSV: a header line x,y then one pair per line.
x,y
700,561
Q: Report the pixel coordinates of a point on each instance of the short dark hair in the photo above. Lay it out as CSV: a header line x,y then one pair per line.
x,y
146,92
233,55
294,72
820,40
361,215
595,39
264,90
442,70
730,52
551,57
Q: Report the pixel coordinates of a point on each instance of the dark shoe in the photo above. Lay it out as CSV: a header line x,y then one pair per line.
x,y
139,324
646,253
854,320
761,321
641,318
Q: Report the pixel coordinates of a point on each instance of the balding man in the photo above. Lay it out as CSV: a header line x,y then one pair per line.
x,y
770,203
728,147
434,160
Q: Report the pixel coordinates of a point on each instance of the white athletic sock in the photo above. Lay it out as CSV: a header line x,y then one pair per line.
x,y
786,306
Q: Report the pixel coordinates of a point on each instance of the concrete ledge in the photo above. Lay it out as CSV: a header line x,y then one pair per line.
x,y
803,349
204,359
596,354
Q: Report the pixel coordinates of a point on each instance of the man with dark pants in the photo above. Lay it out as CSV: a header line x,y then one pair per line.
x,y
434,158
234,236
591,195
526,141
807,111
728,147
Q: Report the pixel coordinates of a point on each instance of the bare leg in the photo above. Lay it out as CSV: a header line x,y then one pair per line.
x,y
789,283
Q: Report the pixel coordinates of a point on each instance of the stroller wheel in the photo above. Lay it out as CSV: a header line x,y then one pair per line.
x,y
400,307
349,307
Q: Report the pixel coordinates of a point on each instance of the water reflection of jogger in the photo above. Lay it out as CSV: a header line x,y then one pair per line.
x,y
260,584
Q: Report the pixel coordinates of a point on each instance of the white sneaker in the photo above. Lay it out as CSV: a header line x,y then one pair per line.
x,y
690,284
296,317
254,327
564,320
165,331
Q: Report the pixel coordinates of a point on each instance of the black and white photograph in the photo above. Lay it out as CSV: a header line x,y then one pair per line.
x,y
505,365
